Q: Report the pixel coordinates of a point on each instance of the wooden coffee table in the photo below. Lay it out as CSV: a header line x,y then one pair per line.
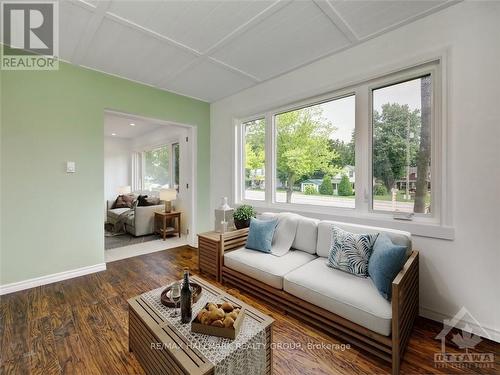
x,y
162,349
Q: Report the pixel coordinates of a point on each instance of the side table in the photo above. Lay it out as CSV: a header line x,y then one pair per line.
x,y
162,218
211,247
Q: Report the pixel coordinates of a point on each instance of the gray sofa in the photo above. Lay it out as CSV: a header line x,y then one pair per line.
x,y
139,222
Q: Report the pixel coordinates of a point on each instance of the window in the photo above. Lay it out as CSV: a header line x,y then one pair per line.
x,y
402,146
254,159
155,168
175,166
315,154
373,148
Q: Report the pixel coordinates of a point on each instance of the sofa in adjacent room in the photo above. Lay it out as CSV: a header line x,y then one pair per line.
x,y
139,220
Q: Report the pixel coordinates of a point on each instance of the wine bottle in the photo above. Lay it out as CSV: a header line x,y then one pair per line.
x,y
186,312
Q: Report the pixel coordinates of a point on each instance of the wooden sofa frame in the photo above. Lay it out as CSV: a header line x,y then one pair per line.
x,y
404,306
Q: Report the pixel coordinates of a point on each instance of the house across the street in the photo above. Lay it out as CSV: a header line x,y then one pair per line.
x,y
348,170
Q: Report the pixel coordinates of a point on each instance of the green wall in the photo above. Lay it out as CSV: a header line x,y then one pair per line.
x,y
52,221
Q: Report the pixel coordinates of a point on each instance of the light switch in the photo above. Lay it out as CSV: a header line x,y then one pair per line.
x,y
70,167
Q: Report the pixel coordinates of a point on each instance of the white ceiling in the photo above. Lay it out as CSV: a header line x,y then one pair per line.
x,y
120,126
212,49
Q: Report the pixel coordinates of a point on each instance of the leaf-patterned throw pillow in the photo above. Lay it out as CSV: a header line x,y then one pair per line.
x,y
350,252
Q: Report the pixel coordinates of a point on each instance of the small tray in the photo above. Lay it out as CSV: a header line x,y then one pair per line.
x,y
229,333
165,294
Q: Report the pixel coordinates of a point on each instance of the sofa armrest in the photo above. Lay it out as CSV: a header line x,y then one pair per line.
x,y
405,290
231,241
144,219
109,204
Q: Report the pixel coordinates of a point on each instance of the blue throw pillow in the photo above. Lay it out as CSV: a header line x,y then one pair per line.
x,y
260,234
385,263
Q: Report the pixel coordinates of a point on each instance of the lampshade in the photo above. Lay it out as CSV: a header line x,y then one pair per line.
x,y
122,190
168,194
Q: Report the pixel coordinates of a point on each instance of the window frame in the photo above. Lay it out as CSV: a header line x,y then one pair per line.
x,y
330,97
439,216
173,164
168,147
242,161
394,79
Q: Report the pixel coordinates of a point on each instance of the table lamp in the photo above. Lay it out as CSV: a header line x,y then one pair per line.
x,y
124,190
168,195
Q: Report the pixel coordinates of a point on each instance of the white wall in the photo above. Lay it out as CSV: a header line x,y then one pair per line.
x,y
117,164
159,137
461,272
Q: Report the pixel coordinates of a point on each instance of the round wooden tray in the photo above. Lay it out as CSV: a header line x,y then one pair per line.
x,y
165,294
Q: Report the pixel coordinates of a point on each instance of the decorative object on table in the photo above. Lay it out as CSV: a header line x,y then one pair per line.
x,y
165,294
175,296
224,217
219,319
165,218
350,252
168,195
260,234
242,216
186,299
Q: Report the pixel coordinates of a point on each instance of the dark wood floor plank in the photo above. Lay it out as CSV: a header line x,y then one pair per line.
x,y
43,357
73,358
14,339
108,345
14,366
80,326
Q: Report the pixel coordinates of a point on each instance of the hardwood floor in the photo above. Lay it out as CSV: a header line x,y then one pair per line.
x,y
79,326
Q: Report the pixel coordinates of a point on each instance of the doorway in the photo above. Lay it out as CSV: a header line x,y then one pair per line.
x,y
142,157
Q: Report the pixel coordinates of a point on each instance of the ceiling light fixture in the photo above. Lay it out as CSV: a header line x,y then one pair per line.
x,y
113,134
132,124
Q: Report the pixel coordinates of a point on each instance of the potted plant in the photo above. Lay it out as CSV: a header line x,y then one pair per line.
x,y
242,216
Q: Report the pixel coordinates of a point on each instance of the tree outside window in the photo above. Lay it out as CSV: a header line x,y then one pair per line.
x,y
156,173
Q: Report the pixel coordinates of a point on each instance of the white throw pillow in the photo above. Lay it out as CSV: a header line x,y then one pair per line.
x,y
284,234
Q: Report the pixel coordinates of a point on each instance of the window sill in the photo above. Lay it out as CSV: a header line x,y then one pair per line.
x,y
419,226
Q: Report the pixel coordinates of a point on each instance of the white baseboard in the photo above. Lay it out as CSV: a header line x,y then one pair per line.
x,y
494,334
48,279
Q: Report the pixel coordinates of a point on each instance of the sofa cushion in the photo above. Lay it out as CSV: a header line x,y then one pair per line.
x,y
351,297
351,252
285,231
124,201
267,268
385,263
306,237
260,234
324,245
144,201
